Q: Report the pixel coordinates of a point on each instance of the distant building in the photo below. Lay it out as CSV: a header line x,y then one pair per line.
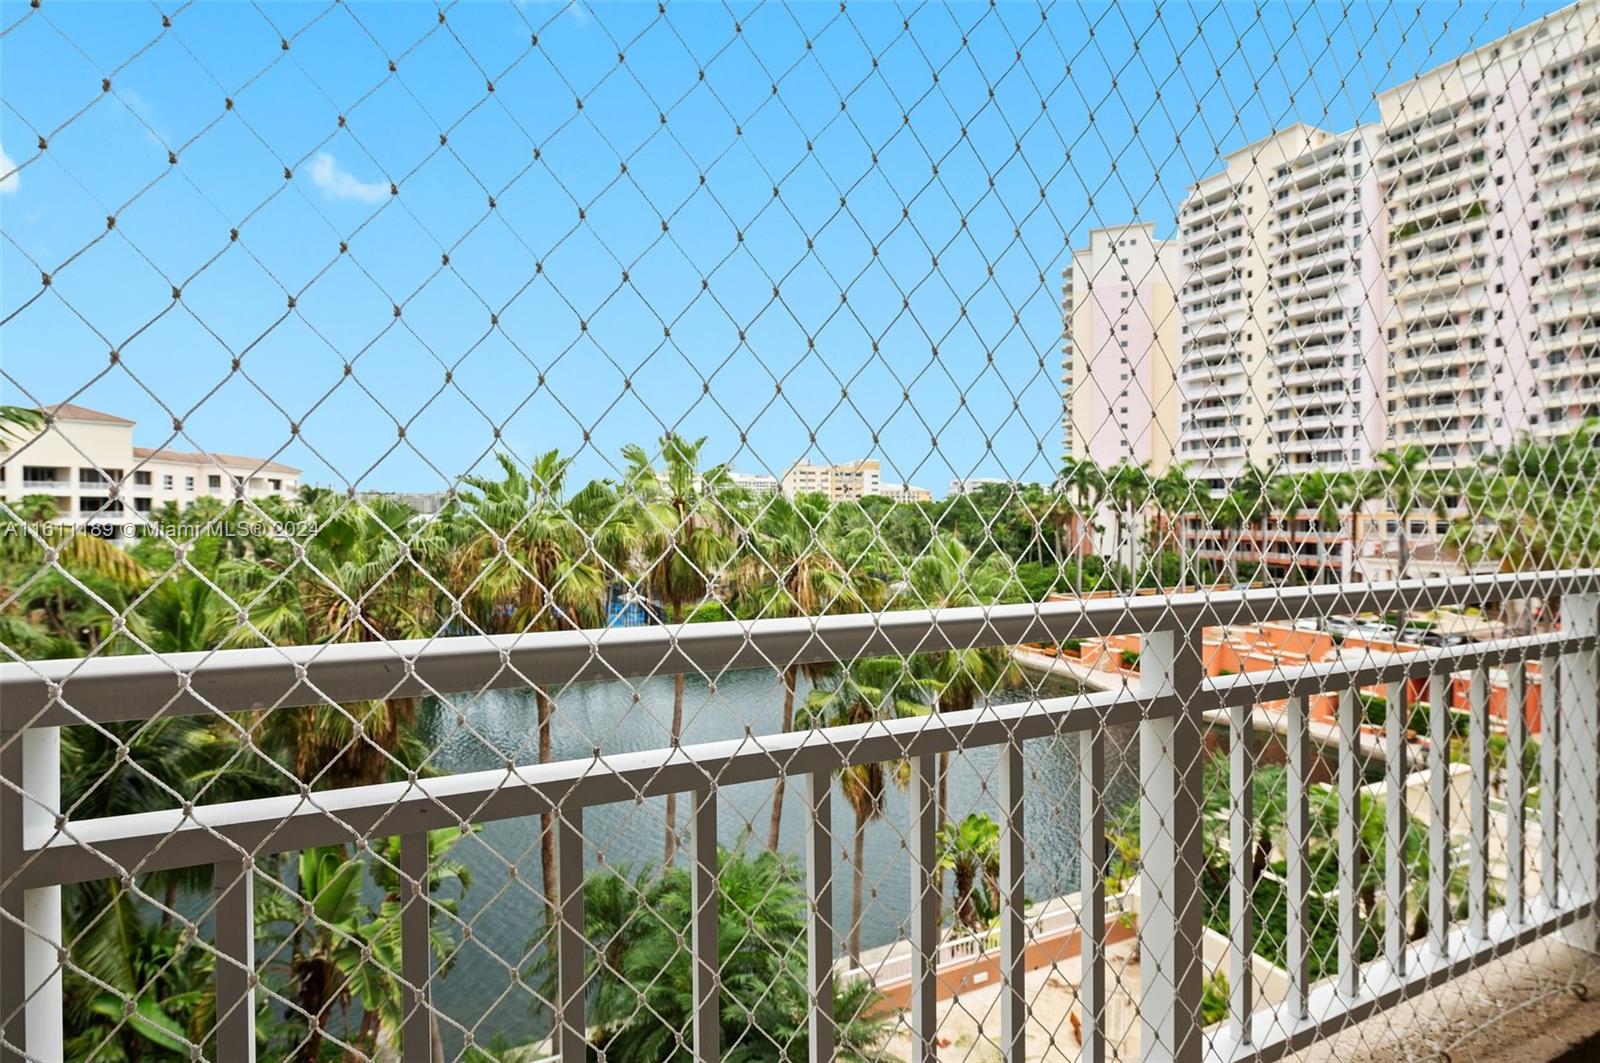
x,y
847,482
426,503
905,492
856,479
972,483
85,462
1120,348
756,483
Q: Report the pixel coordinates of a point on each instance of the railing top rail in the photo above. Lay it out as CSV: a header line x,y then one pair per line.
x,y
144,686
138,843
73,851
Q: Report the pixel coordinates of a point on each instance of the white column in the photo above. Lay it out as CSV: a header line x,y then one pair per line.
x,y
1170,774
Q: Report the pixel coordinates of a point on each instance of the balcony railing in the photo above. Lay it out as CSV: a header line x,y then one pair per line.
x,y
40,851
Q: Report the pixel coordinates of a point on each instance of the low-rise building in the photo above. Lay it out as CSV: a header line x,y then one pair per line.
x,y
85,462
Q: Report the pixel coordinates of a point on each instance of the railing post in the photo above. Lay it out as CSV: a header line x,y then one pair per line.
x,y
1516,791
924,911
572,1028
1549,779
707,954
233,882
1396,877
1439,788
819,886
1013,932
1579,817
1350,922
1170,770
1478,810
30,920
1241,848
415,952
1298,814
1092,892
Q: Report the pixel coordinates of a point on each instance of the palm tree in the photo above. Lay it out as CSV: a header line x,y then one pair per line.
x,y
1354,490
526,565
365,576
686,521
642,976
1401,477
868,690
971,849
1227,513
1081,484
15,420
1128,486
345,952
1175,493
947,576
790,570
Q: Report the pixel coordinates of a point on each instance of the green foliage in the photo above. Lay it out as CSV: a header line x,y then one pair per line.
x,y
971,849
1214,998
642,982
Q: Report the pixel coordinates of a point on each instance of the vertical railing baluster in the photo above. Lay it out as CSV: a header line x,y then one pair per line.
x,y
30,920
1241,844
1013,900
1439,693
416,959
819,887
924,911
1298,814
1478,811
1350,869
1550,779
1516,790
1580,767
234,920
703,944
1397,817
1092,892
1171,854
571,943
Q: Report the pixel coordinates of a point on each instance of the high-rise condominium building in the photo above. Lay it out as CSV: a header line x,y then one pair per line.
x,y
1568,174
1227,250
1488,171
1120,348
1324,311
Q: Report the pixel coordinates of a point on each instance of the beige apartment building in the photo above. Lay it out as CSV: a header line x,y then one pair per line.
x,y
848,481
84,460
1225,306
1120,348
1488,169
1325,306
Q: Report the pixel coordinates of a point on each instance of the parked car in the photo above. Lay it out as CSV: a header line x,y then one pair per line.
x,y
1337,625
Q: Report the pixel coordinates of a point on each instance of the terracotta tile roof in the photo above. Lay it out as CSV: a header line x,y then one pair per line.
x,y
231,461
68,411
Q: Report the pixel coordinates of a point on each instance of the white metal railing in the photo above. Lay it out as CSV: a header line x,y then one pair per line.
x,y
40,851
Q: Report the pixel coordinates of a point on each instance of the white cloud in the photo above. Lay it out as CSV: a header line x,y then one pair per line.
x,y
9,182
338,183
579,13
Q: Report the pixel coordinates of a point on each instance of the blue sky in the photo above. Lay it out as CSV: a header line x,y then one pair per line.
x,y
938,370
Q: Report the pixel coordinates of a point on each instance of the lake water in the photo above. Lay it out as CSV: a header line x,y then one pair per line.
x,y
506,912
